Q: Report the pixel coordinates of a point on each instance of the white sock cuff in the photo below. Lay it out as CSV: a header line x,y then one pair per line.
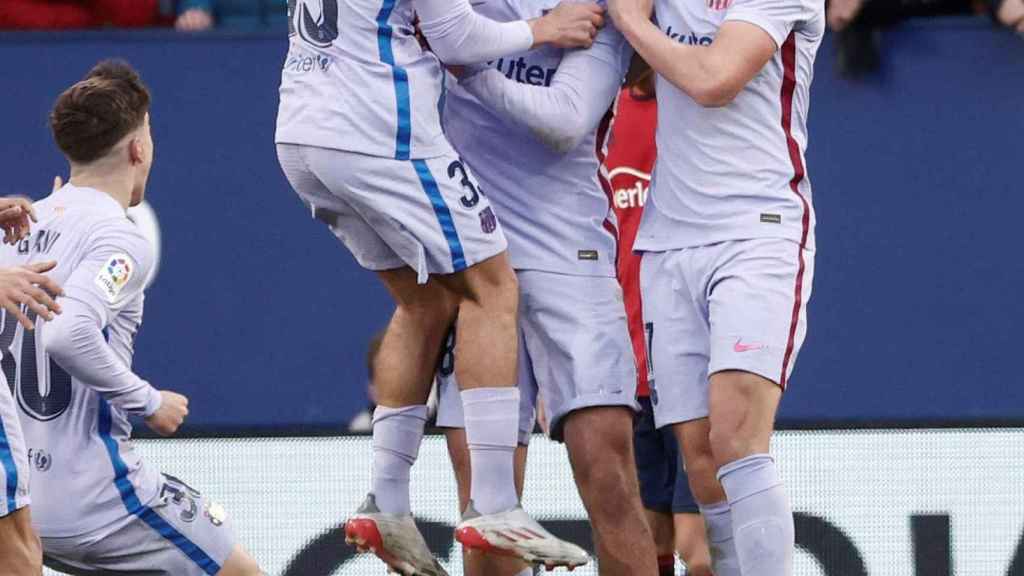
x,y
417,411
476,396
718,520
491,417
748,476
399,430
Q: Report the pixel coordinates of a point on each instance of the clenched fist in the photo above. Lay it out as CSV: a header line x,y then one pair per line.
x,y
168,418
568,25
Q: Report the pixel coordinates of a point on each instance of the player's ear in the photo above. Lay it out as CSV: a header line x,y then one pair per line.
x,y
136,151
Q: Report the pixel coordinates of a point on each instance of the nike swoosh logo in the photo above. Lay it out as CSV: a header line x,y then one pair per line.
x,y
739,346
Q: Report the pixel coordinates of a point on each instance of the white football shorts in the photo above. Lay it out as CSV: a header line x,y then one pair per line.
x,y
738,305
427,214
574,350
13,455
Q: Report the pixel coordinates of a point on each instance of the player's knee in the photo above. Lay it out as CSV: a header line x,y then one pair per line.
x,y
600,439
602,459
727,445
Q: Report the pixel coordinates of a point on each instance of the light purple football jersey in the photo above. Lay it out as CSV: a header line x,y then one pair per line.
x,y
555,214
736,172
84,473
356,79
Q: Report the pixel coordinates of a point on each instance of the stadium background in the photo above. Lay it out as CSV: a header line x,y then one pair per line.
x,y
262,320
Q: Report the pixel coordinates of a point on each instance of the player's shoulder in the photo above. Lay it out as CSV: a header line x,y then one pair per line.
x,y
118,234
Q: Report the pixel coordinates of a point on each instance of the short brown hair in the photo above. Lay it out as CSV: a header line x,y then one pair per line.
x,y
93,115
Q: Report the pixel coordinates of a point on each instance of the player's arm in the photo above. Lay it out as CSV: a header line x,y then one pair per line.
x,y
563,114
714,74
112,275
458,35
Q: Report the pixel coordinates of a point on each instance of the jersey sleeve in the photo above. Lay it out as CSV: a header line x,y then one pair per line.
x,y
776,17
111,276
563,114
458,35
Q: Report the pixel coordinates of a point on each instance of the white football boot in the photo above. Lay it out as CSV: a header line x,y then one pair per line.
x,y
514,533
393,538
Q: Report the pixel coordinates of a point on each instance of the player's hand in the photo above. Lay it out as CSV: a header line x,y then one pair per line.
x,y
194,20
628,12
842,12
168,418
29,286
569,25
16,213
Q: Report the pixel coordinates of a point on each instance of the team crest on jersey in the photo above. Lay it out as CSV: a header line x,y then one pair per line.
x,y
719,4
114,275
488,222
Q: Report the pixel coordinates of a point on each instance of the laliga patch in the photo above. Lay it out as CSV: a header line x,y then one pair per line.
x,y
114,275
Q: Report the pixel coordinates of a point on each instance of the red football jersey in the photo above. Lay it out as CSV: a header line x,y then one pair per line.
x,y
627,153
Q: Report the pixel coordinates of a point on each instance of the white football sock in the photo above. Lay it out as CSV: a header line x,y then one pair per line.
x,y
492,430
397,433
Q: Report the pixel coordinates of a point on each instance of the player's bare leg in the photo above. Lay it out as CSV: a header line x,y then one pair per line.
x,y
600,444
240,563
485,368
663,531
476,564
405,365
19,546
742,407
692,544
732,444
403,373
487,337
701,470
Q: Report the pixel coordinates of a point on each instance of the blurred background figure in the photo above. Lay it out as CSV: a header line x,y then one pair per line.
x,y
363,420
858,24
198,15
71,14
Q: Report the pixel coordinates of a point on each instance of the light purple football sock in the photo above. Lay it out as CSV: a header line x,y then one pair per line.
x,y
492,431
718,520
397,433
762,520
